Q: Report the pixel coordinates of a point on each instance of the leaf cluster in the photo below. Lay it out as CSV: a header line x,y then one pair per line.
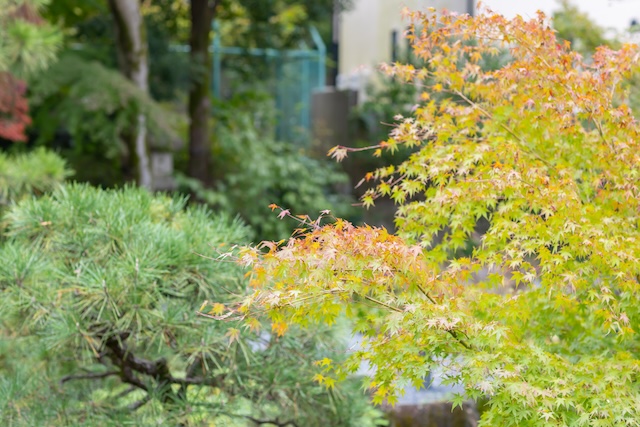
x,y
27,43
541,317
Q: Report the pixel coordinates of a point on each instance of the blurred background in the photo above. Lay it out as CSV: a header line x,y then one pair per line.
x,y
241,98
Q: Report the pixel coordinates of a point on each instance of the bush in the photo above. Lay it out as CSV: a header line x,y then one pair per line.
x,y
36,172
100,291
86,109
254,171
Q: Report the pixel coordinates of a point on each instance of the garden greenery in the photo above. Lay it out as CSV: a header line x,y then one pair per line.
x,y
99,325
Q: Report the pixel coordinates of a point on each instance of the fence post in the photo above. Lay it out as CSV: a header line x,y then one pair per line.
x,y
322,55
307,88
216,57
280,132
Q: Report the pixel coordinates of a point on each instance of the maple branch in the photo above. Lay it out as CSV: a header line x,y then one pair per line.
x,y
302,219
599,128
453,333
390,307
226,317
329,292
357,149
425,293
573,93
375,195
462,342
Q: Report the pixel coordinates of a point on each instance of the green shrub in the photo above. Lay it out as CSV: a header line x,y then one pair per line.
x,y
254,170
93,107
35,172
100,291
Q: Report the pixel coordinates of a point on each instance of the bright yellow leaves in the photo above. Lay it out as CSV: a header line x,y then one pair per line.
x,y
523,181
327,381
233,334
217,309
253,324
324,362
339,153
475,57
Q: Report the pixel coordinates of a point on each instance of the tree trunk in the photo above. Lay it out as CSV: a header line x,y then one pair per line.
x,y
202,13
131,43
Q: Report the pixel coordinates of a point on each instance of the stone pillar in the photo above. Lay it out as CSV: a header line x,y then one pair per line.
x,y
162,171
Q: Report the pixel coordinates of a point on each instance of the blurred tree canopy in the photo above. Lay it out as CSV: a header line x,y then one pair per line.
x,y
575,26
245,23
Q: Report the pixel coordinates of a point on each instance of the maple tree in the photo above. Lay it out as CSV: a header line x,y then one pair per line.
x,y
14,110
540,315
26,44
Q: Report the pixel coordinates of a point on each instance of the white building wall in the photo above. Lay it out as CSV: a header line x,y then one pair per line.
x,y
365,35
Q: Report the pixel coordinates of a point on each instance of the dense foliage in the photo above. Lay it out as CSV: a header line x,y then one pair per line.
x,y
86,109
95,105
99,296
254,170
541,318
82,106
33,173
27,43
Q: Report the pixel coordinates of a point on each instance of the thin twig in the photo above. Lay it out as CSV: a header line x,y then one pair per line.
x,y
503,126
453,333
390,307
125,392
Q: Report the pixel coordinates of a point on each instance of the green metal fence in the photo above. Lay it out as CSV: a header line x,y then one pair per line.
x,y
289,76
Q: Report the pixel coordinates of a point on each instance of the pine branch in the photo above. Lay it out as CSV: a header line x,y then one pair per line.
x,y
260,422
137,405
275,422
88,376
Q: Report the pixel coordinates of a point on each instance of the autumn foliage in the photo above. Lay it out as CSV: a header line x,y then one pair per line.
x,y
14,110
26,43
541,314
